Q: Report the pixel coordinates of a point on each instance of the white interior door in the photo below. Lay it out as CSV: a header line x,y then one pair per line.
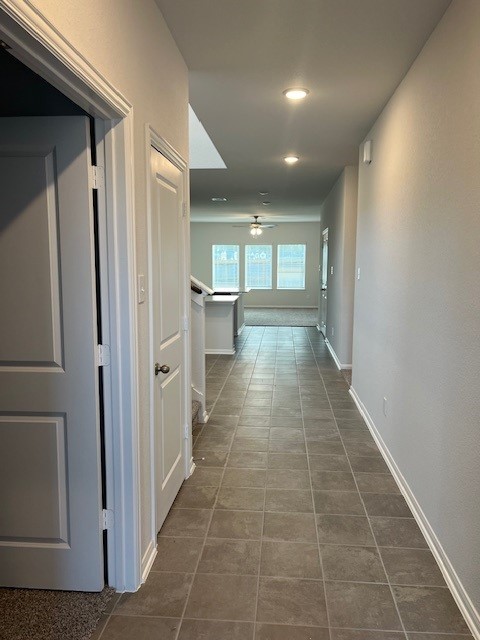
x,y
324,284
168,300
50,473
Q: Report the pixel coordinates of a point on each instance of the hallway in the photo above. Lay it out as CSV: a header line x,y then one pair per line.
x,y
291,524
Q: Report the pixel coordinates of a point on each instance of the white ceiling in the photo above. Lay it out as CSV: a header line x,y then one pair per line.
x,y
242,54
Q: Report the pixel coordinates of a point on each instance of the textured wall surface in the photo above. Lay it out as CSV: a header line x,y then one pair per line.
x,y
417,304
204,234
130,44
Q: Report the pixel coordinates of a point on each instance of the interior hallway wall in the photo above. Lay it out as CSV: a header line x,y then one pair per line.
x,y
130,45
204,234
339,214
417,304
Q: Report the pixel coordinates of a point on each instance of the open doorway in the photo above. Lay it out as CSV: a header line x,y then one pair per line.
x,y
38,349
51,437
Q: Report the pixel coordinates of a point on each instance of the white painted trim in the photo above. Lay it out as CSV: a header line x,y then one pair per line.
x,y
148,559
205,417
465,604
240,329
220,352
153,139
37,43
340,366
193,466
49,54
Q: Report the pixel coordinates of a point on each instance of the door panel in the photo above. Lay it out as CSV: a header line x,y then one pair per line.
x,y
172,438
29,220
168,286
50,474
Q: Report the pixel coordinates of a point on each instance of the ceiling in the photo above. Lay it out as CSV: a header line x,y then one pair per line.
x,y
242,54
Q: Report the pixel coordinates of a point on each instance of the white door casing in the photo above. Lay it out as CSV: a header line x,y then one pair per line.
x,y
50,468
168,314
324,284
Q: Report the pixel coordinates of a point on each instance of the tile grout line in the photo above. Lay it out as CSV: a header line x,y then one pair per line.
x,y
194,573
366,514
314,509
255,614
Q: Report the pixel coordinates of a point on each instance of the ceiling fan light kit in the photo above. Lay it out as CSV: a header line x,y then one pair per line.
x,y
296,93
256,227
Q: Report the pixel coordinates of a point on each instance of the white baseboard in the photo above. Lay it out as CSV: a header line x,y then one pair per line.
x,y
466,606
240,329
276,306
340,366
220,352
203,418
148,559
193,466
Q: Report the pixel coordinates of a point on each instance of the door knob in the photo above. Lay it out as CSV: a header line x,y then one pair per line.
x,y
161,369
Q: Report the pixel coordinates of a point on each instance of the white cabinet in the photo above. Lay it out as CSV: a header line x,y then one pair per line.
x,y
220,324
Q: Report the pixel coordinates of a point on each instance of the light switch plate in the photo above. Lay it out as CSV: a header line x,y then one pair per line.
x,y
141,291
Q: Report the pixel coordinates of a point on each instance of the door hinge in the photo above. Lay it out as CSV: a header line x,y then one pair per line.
x,y
186,325
186,432
184,209
103,355
107,519
98,179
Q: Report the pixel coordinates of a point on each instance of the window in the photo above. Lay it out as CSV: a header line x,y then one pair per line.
x,y
225,266
258,266
291,266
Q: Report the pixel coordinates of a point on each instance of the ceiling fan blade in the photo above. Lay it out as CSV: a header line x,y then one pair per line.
x,y
268,226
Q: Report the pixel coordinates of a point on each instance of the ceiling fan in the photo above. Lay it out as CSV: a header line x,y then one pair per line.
x,y
256,227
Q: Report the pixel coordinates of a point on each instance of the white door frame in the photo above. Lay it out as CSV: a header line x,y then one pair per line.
x,y
37,43
153,139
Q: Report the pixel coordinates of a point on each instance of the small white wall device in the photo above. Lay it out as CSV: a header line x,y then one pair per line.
x,y
367,152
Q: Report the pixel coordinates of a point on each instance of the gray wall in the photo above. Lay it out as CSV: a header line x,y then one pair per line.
x,y
339,214
417,304
204,234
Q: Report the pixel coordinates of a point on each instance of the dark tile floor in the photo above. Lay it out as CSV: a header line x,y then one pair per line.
x,y
291,527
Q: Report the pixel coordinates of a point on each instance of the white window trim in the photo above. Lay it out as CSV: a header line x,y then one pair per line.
x,y
286,244
215,286
251,287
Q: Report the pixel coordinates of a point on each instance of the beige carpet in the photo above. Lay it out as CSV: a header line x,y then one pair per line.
x,y
281,317
30,614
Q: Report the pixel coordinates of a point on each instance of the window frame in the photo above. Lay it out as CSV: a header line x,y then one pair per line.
x,y
249,286
218,287
290,244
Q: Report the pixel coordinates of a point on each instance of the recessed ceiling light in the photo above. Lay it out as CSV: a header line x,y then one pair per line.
x,y
296,93
266,203
291,159
218,199
264,193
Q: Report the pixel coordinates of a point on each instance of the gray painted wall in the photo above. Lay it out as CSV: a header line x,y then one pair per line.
x,y
339,214
204,234
417,304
